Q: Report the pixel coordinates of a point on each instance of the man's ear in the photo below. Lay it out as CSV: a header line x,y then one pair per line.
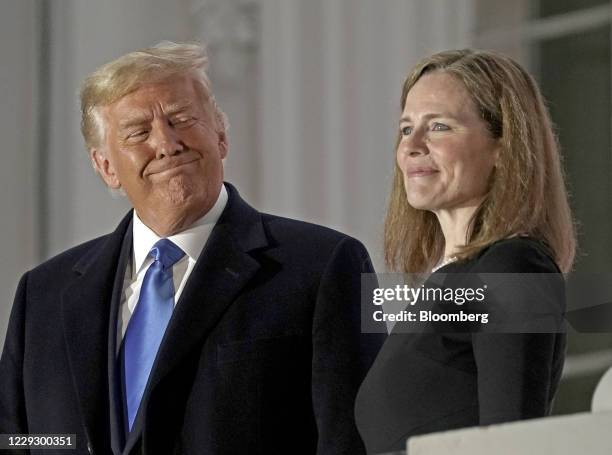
x,y
103,166
223,145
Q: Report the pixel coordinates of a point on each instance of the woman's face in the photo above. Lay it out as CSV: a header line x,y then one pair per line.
x,y
446,154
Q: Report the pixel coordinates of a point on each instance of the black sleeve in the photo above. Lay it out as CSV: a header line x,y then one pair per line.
x,y
517,372
12,400
342,354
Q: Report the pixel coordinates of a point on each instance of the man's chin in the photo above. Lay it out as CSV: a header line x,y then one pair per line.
x,y
179,190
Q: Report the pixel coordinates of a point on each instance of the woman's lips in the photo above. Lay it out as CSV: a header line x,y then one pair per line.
x,y
421,172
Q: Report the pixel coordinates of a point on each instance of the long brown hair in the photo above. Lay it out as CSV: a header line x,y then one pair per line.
x,y
527,194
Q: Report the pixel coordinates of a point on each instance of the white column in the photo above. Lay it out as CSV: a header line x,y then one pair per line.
x,y
331,75
279,121
334,123
229,28
19,33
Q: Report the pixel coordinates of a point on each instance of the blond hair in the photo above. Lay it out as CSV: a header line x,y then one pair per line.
x,y
129,72
527,194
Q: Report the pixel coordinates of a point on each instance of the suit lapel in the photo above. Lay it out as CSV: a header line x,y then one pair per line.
x,y
85,311
223,269
217,279
214,284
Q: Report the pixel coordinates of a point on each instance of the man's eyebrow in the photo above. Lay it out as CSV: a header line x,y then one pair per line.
x,y
139,119
175,108
133,120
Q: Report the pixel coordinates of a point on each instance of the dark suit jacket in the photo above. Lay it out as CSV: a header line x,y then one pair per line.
x,y
263,353
428,382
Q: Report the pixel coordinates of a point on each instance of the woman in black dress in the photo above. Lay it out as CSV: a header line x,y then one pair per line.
x,y
478,188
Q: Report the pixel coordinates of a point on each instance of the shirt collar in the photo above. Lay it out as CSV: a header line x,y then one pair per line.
x,y
191,240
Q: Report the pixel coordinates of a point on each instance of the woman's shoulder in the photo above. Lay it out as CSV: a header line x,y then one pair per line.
x,y
518,254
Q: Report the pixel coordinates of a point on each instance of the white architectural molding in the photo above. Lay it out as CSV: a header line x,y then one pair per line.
x,y
279,104
602,397
333,116
330,79
230,30
565,435
550,27
19,121
594,362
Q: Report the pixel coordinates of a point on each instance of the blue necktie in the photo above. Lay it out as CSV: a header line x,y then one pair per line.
x,y
148,323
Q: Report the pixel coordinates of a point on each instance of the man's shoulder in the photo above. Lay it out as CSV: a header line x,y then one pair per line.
x,y
80,255
68,259
281,231
311,243
303,232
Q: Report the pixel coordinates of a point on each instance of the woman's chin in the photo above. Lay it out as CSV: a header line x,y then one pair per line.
x,y
420,203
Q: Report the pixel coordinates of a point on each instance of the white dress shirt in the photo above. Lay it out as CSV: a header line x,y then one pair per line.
x,y
191,241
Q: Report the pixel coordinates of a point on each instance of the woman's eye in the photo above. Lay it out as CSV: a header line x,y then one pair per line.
x,y
406,130
439,127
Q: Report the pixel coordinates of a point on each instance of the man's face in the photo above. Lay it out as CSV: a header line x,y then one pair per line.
x,y
163,145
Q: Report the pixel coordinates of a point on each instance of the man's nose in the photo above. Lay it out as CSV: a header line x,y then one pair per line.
x,y
166,140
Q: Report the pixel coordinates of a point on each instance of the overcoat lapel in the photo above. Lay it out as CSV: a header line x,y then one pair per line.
x,y
216,281
85,310
223,269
